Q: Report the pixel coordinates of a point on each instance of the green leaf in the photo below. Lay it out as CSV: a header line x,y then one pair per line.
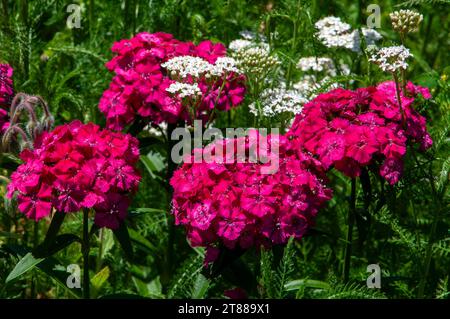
x,y
153,162
200,288
146,210
100,278
49,266
123,237
310,283
27,263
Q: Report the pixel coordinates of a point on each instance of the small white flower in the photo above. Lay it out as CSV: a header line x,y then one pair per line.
x,y
277,101
184,89
316,64
391,59
334,33
239,44
186,65
225,65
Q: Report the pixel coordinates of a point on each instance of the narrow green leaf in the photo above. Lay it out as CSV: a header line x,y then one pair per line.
x,y
200,288
100,278
310,283
27,263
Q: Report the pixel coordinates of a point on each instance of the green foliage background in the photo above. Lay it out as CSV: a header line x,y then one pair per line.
x,y
405,228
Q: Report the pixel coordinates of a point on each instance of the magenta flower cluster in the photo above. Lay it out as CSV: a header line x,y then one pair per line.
x,y
222,200
348,129
6,94
78,166
138,88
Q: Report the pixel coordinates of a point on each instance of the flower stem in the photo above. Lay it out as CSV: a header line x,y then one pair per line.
x,y
397,90
171,166
350,222
85,252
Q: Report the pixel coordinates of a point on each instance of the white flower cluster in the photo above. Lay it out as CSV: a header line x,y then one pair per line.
x,y
315,64
391,59
255,60
240,44
405,21
252,36
225,65
322,69
182,66
277,101
334,33
184,89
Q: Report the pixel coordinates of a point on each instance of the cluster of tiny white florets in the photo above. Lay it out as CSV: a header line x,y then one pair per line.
x,y
181,67
240,44
225,65
334,33
278,101
255,60
391,59
315,64
184,89
252,36
186,65
405,21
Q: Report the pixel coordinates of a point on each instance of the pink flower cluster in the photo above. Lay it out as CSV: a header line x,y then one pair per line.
x,y
6,94
139,85
227,201
351,129
78,166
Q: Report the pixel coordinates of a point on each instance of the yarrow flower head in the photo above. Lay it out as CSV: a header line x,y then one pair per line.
x,y
147,64
184,66
255,60
184,89
334,33
228,200
278,101
78,166
317,64
391,59
349,130
406,21
317,71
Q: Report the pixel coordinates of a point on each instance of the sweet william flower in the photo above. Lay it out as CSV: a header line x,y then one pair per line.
x,y
78,166
349,130
141,85
232,203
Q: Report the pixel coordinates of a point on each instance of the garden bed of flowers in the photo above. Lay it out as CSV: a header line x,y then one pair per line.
x,y
235,149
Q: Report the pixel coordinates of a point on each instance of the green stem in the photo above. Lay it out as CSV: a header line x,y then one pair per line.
x,y
100,251
85,251
171,166
397,91
350,222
